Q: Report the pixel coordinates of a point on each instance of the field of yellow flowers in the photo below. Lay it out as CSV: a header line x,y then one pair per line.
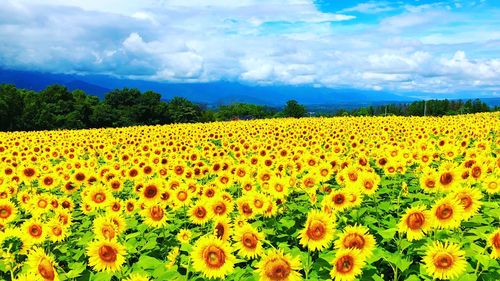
x,y
369,198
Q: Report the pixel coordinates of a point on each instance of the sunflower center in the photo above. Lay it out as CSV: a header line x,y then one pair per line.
x,y
476,172
316,230
156,213
220,208
278,269
200,212
46,270
446,178
466,200
99,197
249,240
247,210
339,199
182,196
214,256
443,260
496,241
219,231
5,212
353,176
430,183
35,231
107,253
368,184
415,221
258,203
444,212
42,203
56,230
29,172
354,240
150,191
80,177
345,264
48,181
108,231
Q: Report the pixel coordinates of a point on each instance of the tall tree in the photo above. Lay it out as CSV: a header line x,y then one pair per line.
x,y
294,109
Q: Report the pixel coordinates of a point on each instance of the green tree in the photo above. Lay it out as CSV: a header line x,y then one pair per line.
x,y
182,110
294,109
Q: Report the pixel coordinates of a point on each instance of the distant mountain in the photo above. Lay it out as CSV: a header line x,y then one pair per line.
x,y
38,81
212,94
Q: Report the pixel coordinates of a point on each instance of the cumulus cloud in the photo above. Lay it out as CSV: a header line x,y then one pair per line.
x,y
413,48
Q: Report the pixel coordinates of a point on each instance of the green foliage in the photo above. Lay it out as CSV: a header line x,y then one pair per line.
x,y
294,109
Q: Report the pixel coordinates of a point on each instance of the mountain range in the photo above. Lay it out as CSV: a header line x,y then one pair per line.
x,y
211,94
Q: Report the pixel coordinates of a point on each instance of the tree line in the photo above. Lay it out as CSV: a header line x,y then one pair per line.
x,y
56,107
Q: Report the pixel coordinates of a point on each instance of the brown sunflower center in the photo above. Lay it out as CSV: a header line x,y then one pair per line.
x,y
107,253
156,213
446,178
5,212
415,221
278,269
214,256
495,241
354,240
99,197
29,172
220,208
249,240
466,200
345,264
369,184
56,230
444,212
316,230
35,230
150,191
182,195
46,270
108,231
339,199
443,260
219,230
200,212
430,183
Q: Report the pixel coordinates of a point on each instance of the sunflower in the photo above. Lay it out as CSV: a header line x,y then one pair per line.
x,y
470,199
184,236
416,222
97,196
220,207
119,222
337,200
494,242
318,231
248,241
106,255
42,265
347,264
212,257
222,228
491,184
428,180
357,237
447,213
369,183
154,215
57,231
444,261
448,176
172,258
277,266
8,211
35,231
137,277
198,213
104,228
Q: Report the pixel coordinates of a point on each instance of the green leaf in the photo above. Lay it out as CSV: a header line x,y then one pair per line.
x,y
147,262
102,276
388,234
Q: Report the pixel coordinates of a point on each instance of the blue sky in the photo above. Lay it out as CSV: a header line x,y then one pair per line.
x,y
424,47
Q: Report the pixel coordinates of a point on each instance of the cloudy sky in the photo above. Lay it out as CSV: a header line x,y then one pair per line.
x,y
400,46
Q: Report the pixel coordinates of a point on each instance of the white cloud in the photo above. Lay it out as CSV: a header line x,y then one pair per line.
x,y
289,42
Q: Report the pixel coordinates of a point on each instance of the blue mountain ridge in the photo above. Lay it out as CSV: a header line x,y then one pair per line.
x,y
214,93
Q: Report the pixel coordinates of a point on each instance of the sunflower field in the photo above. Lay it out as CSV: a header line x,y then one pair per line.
x,y
368,198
